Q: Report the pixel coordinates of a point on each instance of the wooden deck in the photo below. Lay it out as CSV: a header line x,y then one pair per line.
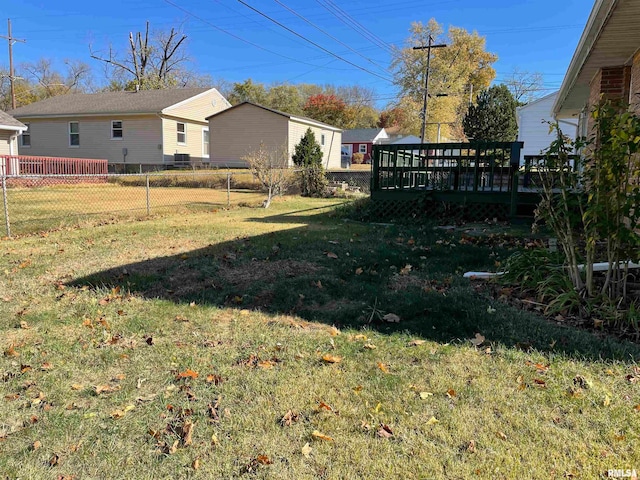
x,y
458,173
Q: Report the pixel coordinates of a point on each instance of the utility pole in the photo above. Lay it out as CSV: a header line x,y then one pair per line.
x,y
11,41
429,46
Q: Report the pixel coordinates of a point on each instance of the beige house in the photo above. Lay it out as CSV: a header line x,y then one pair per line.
x,y
239,130
149,127
10,128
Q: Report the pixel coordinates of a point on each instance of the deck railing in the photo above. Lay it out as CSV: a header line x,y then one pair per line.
x,y
446,166
21,165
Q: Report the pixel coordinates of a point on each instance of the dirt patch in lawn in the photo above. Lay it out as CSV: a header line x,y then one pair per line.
x,y
245,274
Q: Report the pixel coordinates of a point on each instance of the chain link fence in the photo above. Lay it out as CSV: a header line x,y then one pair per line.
x,y
39,203
350,180
33,204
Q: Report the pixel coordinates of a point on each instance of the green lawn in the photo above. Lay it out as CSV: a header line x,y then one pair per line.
x,y
251,343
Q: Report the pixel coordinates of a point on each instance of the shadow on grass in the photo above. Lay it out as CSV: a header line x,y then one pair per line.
x,y
351,275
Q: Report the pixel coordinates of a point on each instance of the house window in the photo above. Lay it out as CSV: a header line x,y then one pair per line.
x,y
116,129
322,139
182,134
25,138
205,143
362,148
74,134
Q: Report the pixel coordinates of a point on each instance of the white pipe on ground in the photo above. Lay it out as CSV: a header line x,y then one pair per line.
x,y
597,267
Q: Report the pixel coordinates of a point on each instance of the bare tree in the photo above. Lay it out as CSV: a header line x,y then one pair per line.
x,y
524,86
49,82
152,61
270,168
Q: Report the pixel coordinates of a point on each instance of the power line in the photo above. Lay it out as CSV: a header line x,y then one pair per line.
x,y
350,25
361,27
222,30
328,34
312,42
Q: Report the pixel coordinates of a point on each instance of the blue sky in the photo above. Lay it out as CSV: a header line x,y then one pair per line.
x,y
533,35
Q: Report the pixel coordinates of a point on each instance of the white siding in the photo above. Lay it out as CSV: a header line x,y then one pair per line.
x,y
5,146
331,147
198,108
142,137
533,129
193,144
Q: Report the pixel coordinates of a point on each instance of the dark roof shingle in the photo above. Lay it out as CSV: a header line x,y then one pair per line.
x,y
144,101
360,135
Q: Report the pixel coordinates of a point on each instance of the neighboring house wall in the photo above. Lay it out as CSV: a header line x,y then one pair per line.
x,y
533,129
193,145
241,130
355,148
5,142
141,136
199,107
332,141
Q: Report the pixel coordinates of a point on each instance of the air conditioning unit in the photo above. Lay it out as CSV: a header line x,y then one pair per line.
x,y
181,158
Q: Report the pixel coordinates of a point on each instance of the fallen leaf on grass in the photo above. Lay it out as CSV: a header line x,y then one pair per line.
x,y
471,447
265,364
478,340
328,358
383,367
501,435
451,393
369,346
188,373
384,431
54,460
77,386
391,318
100,389
195,464
331,255
359,271
215,379
606,401
289,418
187,433
334,332
323,406
321,436
425,395
306,450
433,421
46,366
11,352
539,382
180,318
637,408
540,367
24,325
36,445
416,343
406,270
116,414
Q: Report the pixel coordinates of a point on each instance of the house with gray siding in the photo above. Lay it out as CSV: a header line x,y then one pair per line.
x,y
159,128
239,130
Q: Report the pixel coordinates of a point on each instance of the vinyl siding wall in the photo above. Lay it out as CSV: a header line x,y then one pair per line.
x,y
5,147
533,132
239,131
142,137
198,109
331,147
193,144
